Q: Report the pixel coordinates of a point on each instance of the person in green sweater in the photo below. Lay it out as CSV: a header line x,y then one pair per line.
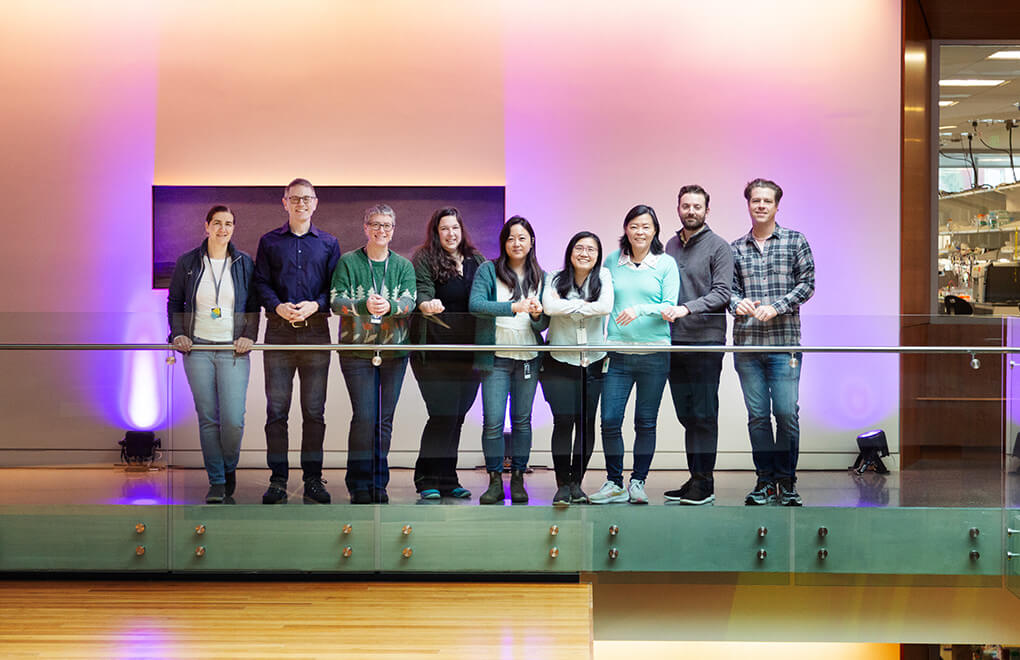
x,y
373,291
646,282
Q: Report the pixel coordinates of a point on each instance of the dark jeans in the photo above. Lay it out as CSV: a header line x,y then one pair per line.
x,y
648,373
771,387
694,383
573,395
312,368
449,386
374,392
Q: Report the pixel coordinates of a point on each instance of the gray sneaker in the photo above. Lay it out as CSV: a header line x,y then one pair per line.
x,y
787,494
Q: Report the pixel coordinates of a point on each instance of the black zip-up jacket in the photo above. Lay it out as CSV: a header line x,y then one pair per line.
x,y
180,302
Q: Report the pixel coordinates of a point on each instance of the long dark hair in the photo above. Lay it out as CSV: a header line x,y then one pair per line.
x,y
641,209
441,265
532,271
564,280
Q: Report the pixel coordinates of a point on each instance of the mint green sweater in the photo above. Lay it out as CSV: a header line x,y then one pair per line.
x,y
648,290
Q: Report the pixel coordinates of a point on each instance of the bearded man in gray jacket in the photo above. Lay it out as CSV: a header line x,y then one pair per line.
x,y
705,261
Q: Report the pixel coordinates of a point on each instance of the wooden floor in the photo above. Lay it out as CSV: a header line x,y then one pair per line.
x,y
157,619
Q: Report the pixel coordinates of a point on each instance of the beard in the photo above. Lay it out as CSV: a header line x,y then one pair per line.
x,y
693,223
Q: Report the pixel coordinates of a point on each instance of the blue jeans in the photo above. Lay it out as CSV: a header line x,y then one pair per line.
x,y
517,379
648,373
771,387
312,368
374,392
219,384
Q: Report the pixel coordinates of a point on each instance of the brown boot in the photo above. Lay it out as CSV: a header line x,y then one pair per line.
x,y
494,493
517,493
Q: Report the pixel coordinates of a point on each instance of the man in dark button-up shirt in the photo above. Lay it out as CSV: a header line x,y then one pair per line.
x,y
773,275
293,270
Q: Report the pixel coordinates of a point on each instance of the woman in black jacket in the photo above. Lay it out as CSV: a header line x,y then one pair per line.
x,y
444,267
209,304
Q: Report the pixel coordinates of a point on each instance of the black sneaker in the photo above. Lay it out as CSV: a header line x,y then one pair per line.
x,y
379,496
231,482
764,493
315,492
361,497
577,496
562,496
216,494
694,492
275,494
788,495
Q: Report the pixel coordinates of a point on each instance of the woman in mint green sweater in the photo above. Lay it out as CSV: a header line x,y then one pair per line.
x,y
645,282
373,292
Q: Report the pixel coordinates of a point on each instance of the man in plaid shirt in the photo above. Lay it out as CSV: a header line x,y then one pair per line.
x,y
773,275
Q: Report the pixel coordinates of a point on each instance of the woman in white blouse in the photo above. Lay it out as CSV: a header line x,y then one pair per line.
x,y
577,299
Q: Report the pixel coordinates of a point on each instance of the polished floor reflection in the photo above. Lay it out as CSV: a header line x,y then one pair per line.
x,y
938,484
239,619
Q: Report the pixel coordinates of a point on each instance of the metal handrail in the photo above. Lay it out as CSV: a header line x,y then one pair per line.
x,y
542,348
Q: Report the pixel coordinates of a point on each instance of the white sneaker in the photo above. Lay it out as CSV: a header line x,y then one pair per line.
x,y
637,492
609,493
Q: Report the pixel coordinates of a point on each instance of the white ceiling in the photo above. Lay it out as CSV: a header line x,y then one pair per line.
x,y
979,103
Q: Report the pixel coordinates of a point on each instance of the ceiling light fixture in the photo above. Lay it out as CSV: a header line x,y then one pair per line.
x,y
943,128
970,82
946,104
1005,55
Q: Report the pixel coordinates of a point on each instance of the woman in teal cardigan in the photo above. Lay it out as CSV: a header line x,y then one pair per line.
x,y
506,297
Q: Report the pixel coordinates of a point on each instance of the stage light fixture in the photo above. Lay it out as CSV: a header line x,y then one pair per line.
x,y
138,448
873,447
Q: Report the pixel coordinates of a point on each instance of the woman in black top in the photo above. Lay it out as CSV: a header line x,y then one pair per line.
x,y
444,267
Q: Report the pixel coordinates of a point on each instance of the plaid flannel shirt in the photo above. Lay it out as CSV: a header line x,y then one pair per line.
x,y
782,276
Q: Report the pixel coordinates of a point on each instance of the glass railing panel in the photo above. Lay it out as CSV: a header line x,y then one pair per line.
x,y
83,455
953,412
855,378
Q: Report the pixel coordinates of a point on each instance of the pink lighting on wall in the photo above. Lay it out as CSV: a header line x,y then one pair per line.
x,y
143,374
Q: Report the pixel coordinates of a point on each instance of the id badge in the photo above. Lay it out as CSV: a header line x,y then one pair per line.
x,y
527,370
216,312
376,319
582,335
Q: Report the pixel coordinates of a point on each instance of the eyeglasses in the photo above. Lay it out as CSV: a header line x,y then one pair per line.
x,y
380,226
307,199
585,249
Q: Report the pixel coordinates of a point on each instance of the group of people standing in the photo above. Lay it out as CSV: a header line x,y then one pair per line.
x,y
644,295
